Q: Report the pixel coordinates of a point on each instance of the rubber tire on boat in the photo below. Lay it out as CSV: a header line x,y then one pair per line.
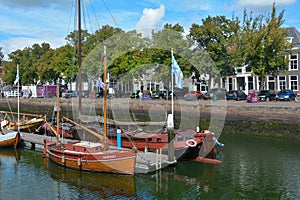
x,y
191,143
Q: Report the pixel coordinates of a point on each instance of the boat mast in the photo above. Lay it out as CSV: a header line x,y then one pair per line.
x,y
79,57
104,93
58,109
18,78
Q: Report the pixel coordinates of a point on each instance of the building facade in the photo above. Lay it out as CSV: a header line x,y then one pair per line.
x,y
244,79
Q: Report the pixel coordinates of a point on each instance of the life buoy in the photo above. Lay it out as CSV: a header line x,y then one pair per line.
x,y
191,143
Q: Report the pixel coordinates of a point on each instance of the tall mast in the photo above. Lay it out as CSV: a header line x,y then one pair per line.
x,y
18,90
58,109
104,93
79,57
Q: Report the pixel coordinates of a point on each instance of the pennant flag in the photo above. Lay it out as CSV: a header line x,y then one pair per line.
x,y
178,73
101,84
17,78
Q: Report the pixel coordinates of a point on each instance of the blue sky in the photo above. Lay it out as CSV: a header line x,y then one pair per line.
x,y
26,22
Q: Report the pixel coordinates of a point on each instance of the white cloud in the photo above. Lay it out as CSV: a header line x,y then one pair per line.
x,y
150,19
10,45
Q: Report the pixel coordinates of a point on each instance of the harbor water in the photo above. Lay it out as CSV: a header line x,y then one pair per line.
x,y
253,168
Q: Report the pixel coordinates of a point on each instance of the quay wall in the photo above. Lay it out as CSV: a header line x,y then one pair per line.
x,y
279,119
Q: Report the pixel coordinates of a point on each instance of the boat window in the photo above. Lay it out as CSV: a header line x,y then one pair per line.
x,y
158,139
84,149
149,139
73,148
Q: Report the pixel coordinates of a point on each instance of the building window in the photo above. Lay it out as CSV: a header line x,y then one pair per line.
x,y
250,83
230,84
282,82
294,82
293,64
271,83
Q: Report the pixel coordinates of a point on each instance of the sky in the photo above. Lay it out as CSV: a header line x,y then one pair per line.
x,y
27,22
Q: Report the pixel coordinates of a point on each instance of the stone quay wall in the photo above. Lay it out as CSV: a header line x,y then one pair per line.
x,y
278,119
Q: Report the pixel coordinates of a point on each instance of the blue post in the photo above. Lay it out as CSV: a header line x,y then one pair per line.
x,y
119,138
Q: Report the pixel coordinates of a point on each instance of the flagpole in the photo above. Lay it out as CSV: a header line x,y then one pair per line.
x,y
172,86
170,122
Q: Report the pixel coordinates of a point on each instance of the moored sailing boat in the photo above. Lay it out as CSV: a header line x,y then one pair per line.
x,y
91,156
28,123
186,144
9,139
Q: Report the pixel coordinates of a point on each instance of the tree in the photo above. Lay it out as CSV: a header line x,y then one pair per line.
x,y
265,45
26,59
1,56
214,36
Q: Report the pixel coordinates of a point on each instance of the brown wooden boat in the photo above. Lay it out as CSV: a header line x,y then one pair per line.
x,y
28,122
187,144
92,157
9,139
89,156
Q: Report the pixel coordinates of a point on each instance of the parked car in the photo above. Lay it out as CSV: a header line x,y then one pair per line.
x,y
169,96
218,93
195,95
26,94
206,96
85,94
266,95
135,95
69,94
297,99
159,95
285,95
236,95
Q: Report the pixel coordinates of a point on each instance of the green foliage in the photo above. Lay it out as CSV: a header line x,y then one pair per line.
x,y
264,44
26,59
1,56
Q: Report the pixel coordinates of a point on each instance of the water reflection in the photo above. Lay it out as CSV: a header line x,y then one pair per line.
x,y
186,180
252,168
101,185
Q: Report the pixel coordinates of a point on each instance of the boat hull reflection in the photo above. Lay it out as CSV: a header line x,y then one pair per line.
x,y
108,185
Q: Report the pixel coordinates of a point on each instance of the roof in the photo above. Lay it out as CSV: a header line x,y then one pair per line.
x,y
294,33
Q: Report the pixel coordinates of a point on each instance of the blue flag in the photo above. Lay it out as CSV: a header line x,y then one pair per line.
x,y
101,84
178,73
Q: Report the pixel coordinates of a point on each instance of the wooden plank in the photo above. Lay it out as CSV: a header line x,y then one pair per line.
x,y
39,139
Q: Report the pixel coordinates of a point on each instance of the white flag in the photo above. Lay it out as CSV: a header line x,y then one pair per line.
x,y
17,78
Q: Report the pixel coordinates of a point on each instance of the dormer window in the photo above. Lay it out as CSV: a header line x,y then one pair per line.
x,y
239,70
289,39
